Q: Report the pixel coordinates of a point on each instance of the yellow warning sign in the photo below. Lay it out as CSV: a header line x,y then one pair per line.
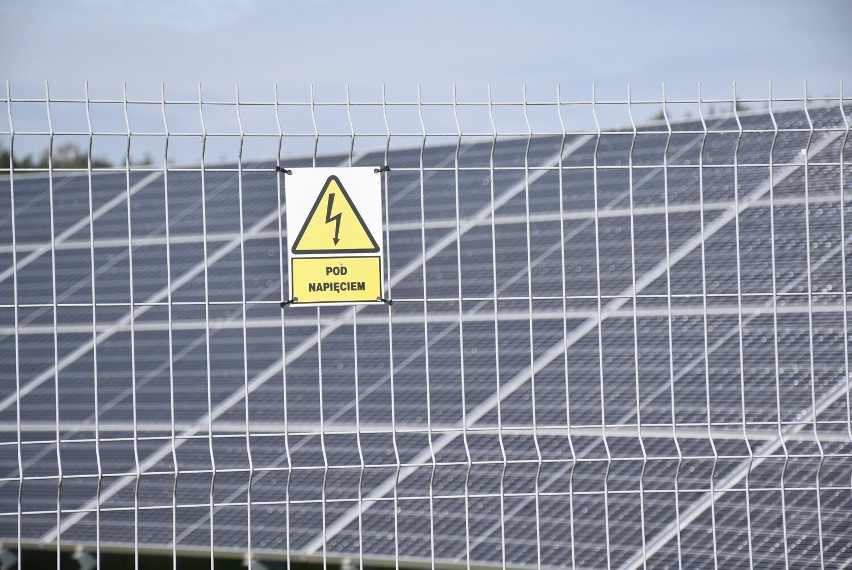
x,y
336,279
334,235
334,225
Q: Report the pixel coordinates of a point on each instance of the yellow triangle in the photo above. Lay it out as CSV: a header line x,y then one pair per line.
x,y
334,225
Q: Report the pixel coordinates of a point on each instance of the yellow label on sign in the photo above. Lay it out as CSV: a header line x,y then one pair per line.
x,y
336,279
334,225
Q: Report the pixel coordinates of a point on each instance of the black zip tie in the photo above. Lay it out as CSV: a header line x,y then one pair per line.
x,y
284,304
384,168
387,302
284,170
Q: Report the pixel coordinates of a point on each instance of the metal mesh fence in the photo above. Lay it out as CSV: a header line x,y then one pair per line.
x,y
618,339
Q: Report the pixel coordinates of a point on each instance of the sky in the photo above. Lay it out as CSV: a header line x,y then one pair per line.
x,y
436,44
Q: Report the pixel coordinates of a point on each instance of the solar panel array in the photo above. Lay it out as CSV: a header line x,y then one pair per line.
x,y
662,380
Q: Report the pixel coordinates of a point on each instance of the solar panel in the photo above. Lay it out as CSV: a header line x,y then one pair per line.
x,y
617,348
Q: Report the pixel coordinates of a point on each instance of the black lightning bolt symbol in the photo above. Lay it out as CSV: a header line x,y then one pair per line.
x,y
336,218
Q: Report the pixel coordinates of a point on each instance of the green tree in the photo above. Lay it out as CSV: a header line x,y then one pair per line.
x,y
66,155
69,155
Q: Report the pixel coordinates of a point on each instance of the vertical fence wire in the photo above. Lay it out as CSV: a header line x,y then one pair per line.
x,y
207,363
564,290
132,325
459,285
740,344
497,376
600,346
282,259
170,348
775,326
16,319
635,323
55,325
531,329
669,324
846,372
705,331
249,557
812,368
91,140
391,364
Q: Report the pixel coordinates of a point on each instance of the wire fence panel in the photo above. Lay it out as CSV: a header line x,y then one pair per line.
x,y
617,339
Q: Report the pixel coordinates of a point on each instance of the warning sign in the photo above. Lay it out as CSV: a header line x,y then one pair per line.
x,y
334,235
341,279
334,225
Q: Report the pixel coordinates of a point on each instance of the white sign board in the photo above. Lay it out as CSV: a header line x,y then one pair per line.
x,y
334,235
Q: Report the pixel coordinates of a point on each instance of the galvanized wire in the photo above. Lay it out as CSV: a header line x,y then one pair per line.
x,y
295,508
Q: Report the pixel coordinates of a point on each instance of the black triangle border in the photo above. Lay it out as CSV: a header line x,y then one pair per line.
x,y
313,210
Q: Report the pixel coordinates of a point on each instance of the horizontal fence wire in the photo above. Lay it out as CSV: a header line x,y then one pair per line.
x,y
619,333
